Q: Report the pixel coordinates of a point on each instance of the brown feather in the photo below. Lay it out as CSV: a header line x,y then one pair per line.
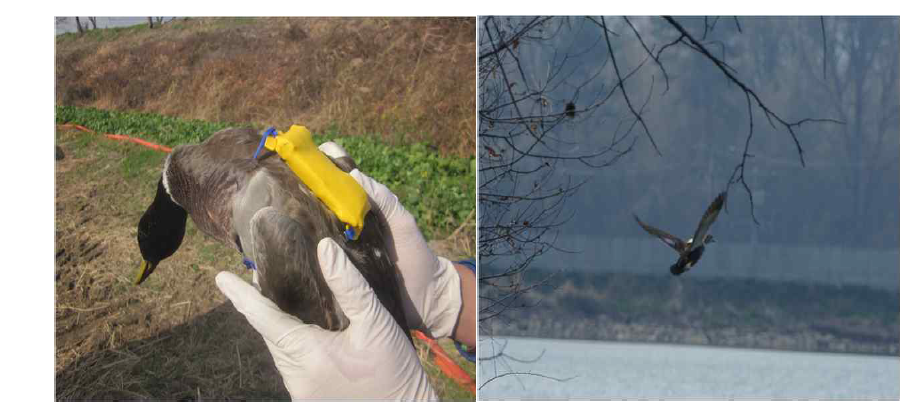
x,y
673,242
711,214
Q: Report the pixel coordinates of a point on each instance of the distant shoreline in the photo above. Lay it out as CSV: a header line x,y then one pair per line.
x,y
751,313
813,341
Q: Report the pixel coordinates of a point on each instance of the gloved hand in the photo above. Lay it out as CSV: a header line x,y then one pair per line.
x,y
432,300
370,360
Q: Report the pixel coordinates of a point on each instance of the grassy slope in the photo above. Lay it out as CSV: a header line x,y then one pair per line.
x,y
177,338
406,80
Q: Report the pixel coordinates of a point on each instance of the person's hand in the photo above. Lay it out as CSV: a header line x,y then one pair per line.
x,y
433,298
371,360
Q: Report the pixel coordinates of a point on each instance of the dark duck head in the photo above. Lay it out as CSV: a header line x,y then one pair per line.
x,y
160,231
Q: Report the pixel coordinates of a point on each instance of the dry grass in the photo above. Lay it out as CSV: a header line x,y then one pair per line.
x,y
404,79
173,338
460,244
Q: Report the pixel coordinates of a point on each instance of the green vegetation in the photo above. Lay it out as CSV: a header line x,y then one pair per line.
x,y
159,129
439,191
447,388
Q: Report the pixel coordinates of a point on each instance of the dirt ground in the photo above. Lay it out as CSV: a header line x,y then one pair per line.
x,y
174,338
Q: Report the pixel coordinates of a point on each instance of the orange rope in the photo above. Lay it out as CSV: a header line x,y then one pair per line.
x,y
119,137
445,363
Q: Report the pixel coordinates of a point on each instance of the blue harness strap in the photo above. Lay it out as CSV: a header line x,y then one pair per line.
x,y
249,264
269,132
462,349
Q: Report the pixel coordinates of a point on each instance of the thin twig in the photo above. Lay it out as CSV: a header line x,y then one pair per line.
x,y
770,115
823,32
240,366
82,310
525,374
625,93
463,224
649,53
741,168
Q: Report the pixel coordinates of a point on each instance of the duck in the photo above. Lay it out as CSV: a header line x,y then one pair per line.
x,y
260,208
691,250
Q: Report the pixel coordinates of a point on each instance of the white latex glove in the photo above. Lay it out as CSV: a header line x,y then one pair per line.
x,y
370,360
432,300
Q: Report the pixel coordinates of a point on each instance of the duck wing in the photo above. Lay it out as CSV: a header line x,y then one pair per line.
x,y
286,259
285,253
708,219
678,244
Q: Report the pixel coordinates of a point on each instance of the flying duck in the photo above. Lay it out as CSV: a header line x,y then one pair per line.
x,y
263,210
689,251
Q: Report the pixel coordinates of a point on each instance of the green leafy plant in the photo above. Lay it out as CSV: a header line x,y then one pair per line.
x,y
161,129
438,191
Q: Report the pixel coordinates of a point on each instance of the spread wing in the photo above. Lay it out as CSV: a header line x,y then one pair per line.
x,y
678,244
708,219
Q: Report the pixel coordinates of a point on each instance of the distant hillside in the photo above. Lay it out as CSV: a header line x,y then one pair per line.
x,y
698,310
405,80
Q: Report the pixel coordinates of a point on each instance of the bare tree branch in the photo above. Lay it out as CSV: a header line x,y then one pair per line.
x,y
770,115
514,40
823,32
737,176
622,85
522,131
663,71
503,375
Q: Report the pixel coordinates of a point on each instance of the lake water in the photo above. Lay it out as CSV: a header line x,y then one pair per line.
x,y
611,370
69,24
